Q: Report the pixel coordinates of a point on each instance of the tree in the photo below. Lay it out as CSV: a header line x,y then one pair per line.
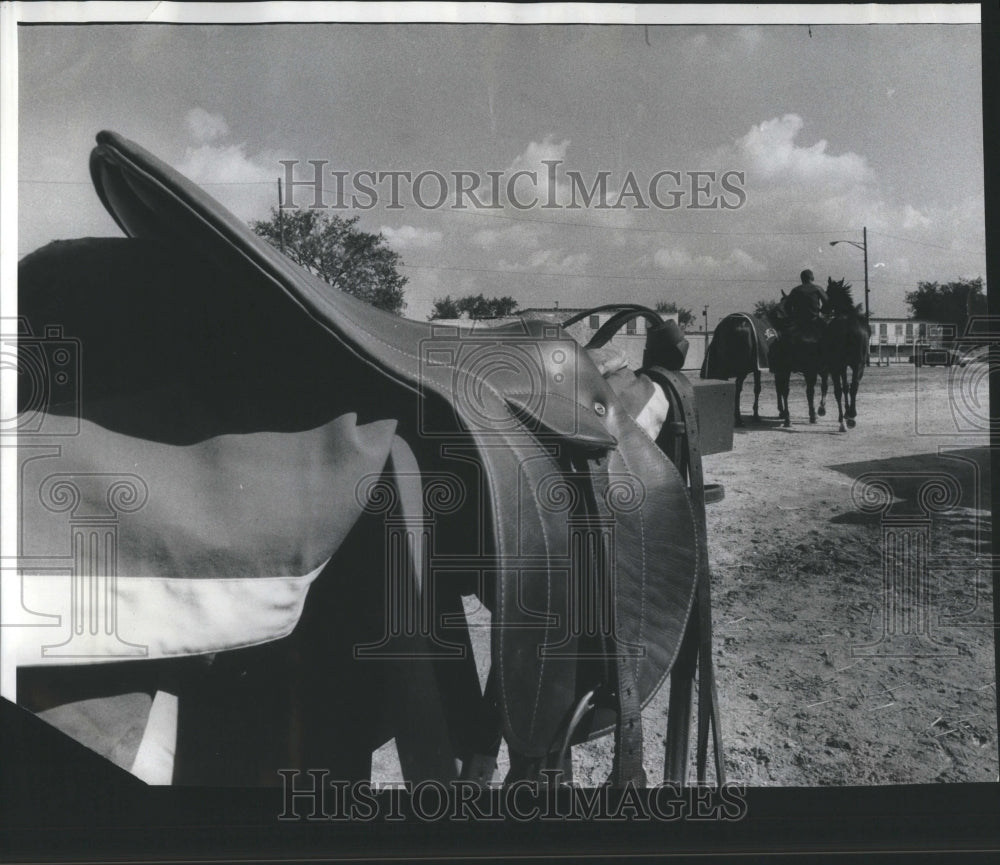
x,y
684,316
337,251
474,306
951,303
445,307
765,309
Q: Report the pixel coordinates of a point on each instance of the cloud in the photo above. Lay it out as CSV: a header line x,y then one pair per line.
x,y
205,127
540,186
913,218
549,261
769,151
677,261
410,237
246,184
522,234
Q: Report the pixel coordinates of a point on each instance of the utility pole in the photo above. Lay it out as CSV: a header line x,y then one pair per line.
x,y
863,246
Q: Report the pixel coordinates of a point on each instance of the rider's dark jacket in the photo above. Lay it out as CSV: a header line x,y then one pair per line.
x,y
807,300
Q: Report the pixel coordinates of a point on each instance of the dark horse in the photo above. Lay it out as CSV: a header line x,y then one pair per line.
x,y
844,345
739,347
796,350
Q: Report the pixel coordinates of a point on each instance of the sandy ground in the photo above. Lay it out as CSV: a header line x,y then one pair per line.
x,y
813,689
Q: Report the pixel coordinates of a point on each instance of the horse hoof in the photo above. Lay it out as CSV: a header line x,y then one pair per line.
x,y
787,424
812,419
851,422
821,411
843,428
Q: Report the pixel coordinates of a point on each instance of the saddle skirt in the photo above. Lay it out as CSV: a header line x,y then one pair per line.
x,y
234,415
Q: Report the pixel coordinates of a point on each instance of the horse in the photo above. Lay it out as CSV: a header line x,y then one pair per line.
x,y
740,347
796,350
844,345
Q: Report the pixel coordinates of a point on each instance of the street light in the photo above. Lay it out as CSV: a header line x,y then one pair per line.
x,y
863,246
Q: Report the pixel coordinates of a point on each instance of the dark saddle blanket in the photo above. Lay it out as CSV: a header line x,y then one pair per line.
x,y
741,344
233,419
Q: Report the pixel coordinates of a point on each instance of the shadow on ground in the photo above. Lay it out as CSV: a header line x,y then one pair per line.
x,y
944,481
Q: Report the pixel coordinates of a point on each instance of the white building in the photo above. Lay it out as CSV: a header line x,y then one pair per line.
x,y
898,338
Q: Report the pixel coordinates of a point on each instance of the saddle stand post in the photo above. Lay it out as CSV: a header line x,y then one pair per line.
x,y
679,439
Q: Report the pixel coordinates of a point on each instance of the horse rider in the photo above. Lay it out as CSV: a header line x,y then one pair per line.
x,y
801,311
807,300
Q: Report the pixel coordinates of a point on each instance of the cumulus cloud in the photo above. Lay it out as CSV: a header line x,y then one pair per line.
x,y
205,127
677,261
549,261
533,159
555,261
244,183
769,150
410,237
523,234
913,218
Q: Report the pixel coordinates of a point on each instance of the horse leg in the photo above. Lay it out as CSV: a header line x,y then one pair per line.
x,y
781,380
838,392
821,411
852,407
756,395
739,390
811,395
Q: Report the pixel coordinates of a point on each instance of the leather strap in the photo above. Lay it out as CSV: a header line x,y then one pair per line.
x,y
614,324
627,767
580,316
708,702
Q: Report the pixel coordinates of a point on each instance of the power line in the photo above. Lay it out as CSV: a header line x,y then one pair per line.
x,y
925,243
604,227
614,276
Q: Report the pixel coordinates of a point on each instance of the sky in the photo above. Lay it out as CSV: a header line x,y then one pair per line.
x,y
832,128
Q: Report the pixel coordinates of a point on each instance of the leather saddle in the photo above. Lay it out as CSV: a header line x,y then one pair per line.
x,y
235,417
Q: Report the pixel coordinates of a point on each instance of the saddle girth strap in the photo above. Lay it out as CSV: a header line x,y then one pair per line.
x,y
627,767
708,701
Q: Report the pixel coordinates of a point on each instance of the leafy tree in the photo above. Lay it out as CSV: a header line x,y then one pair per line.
x,y
445,307
337,251
684,316
765,309
951,303
474,307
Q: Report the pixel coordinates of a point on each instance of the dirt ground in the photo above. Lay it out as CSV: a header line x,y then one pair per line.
x,y
813,687
798,592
